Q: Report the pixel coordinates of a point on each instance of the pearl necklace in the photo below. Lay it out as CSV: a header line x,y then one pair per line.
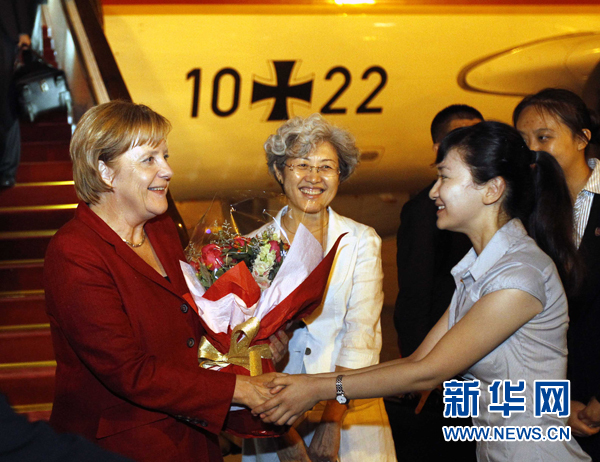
x,y
135,246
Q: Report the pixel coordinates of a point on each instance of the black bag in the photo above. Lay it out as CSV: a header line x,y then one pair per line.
x,y
41,88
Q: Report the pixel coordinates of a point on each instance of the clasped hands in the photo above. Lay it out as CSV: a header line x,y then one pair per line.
x,y
284,397
585,419
264,394
279,398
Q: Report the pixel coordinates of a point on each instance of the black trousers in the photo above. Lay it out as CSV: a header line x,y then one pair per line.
x,y
10,142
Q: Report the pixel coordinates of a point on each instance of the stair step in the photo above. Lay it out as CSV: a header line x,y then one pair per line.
x,y
42,151
44,193
28,387
35,217
22,307
21,245
34,172
41,202
21,274
35,412
49,130
24,343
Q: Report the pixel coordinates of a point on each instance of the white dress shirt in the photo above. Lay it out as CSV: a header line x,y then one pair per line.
x,y
583,202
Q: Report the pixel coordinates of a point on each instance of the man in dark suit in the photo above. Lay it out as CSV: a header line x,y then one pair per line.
x,y
16,24
583,336
426,254
425,257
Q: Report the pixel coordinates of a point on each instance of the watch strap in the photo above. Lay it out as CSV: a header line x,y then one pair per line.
x,y
339,388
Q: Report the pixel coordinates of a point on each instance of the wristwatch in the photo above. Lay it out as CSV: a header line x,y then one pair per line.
x,y
339,390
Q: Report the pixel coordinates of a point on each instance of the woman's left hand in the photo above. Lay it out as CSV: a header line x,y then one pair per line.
x,y
279,345
590,415
325,444
294,449
300,394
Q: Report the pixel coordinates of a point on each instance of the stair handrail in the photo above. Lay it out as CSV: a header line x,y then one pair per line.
x,y
96,49
87,53
84,53
92,71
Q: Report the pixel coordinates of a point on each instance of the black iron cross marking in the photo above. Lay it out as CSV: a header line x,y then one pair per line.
x,y
282,90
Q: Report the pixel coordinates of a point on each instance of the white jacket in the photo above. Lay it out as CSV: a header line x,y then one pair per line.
x,y
345,330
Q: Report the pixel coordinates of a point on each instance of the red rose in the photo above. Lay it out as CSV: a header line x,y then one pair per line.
x,y
195,265
211,257
277,249
240,242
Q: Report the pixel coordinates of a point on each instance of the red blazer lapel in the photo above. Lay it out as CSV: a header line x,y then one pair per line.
x,y
169,255
166,257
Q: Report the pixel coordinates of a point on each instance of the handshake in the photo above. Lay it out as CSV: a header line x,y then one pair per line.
x,y
280,398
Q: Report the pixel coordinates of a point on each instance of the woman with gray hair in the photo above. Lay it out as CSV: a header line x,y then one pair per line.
x,y
310,157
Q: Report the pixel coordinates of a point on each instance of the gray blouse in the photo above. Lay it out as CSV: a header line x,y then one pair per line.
x,y
536,351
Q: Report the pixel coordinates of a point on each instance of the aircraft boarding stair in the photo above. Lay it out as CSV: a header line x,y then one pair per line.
x,y
30,213
44,199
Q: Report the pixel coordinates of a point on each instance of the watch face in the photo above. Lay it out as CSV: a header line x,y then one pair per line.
x,y
341,399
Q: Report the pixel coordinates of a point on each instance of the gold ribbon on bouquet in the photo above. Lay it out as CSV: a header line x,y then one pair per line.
x,y
240,353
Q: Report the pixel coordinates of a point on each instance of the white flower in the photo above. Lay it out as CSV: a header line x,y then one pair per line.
x,y
262,265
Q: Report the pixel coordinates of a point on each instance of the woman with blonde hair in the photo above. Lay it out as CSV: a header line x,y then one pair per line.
x,y
125,334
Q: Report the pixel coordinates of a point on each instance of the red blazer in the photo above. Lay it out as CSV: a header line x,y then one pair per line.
x,y
126,343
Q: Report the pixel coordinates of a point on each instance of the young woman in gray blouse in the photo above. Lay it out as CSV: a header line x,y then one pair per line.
x,y
508,318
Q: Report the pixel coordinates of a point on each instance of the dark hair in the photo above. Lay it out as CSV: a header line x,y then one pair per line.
x,y
441,122
536,190
567,107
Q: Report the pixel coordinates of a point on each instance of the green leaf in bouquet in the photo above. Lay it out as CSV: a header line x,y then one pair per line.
x,y
205,277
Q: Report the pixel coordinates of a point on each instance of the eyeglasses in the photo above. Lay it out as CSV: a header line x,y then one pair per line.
x,y
326,171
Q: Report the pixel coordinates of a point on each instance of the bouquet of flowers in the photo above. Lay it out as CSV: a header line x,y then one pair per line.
x,y
262,254
245,289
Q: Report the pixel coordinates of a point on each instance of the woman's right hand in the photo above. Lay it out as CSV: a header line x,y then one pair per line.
x,y
300,393
252,391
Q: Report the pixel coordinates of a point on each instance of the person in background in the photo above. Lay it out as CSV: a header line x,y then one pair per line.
x,y
424,258
21,441
425,253
557,121
16,24
310,157
125,334
508,317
